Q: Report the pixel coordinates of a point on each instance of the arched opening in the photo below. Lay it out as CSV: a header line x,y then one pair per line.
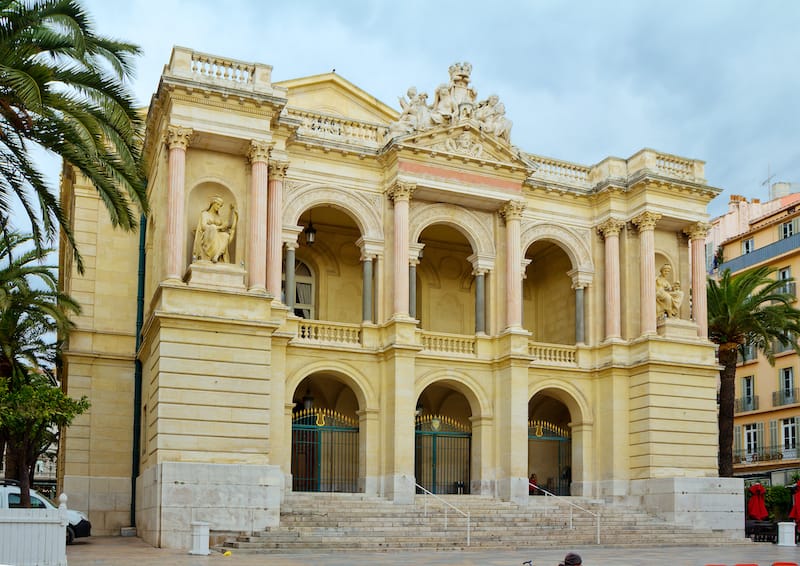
x,y
445,289
549,445
443,441
325,436
328,274
548,299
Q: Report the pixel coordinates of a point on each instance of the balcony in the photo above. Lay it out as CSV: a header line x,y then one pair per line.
x,y
785,397
767,454
744,404
762,254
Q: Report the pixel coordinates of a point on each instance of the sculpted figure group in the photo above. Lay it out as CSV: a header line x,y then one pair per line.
x,y
669,295
452,103
213,235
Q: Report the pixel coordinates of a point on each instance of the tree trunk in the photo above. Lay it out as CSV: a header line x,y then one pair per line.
x,y
727,401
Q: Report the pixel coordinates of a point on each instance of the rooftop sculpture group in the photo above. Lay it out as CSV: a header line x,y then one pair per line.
x,y
452,103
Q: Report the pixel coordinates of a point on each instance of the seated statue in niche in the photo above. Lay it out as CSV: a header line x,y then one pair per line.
x,y
214,235
669,296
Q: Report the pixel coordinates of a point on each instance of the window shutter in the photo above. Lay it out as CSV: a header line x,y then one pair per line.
x,y
796,432
760,438
773,435
737,439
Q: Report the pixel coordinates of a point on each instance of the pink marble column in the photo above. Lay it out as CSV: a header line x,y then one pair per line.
x,y
610,230
512,212
647,270
401,195
697,235
177,141
257,246
277,173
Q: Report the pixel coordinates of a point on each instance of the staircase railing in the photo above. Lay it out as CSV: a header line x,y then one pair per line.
x,y
447,505
572,505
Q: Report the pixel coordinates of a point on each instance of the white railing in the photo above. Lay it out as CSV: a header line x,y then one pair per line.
x,y
562,170
447,505
447,343
34,536
571,507
553,354
326,127
321,332
221,69
675,166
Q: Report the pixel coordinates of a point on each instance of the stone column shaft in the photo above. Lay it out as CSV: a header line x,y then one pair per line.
x,y
401,194
257,246
277,172
697,235
647,249
580,332
512,211
366,295
480,302
177,140
610,230
289,289
412,289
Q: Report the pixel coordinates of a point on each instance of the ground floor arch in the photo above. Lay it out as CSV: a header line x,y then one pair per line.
x,y
325,436
550,447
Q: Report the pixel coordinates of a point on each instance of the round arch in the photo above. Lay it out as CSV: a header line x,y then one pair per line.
x,y
576,248
572,397
367,215
472,226
350,376
469,387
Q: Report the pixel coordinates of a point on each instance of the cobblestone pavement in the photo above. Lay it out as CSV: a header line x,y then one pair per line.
x,y
124,551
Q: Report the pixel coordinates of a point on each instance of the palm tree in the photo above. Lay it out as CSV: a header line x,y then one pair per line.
x,y
747,309
62,87
32,312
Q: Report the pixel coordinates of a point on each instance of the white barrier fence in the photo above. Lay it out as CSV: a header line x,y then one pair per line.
x,y
31,537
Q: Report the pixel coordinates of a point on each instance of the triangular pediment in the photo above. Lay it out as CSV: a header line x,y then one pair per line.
x,y
464,140
332,95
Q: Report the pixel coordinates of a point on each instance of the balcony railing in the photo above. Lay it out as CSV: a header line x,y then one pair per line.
x,y
448,343
765,454
785,397
329,333
553,354
762,254
747,404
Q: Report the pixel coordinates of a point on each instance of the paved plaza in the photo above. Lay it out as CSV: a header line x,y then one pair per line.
x,y
119,551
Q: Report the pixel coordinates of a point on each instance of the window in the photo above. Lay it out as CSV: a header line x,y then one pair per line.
x,y
304,290
785,274
787,381
751,440
787,229
747,392
747,246
14,502
789,437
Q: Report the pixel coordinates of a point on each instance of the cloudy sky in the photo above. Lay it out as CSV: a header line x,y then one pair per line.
x,y
717,80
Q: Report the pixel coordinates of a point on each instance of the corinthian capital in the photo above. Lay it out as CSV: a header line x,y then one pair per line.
x,y
647,221
277,169
512,210
178,137
401,190
259,151
611,227
698,231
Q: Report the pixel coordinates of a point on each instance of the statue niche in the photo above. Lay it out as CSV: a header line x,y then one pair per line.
x,y
213,235
669,295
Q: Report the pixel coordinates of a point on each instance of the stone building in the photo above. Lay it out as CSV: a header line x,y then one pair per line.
x,y
331,295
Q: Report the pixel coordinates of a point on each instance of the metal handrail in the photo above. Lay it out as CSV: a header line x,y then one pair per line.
x,y
448,504
571,504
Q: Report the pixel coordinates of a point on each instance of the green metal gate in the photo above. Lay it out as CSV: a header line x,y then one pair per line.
x,y
324,451
550,455
442,454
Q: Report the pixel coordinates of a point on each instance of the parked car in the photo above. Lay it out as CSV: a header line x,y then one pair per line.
x,y
78,525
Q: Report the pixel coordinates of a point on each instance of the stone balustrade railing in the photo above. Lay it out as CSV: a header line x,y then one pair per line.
x,y
564,171
447,343
333,128
203,68
321,332
553,354
673,166
217,68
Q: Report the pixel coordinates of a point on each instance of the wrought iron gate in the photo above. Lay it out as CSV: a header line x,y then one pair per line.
x,y
442,454
324,451
550,452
